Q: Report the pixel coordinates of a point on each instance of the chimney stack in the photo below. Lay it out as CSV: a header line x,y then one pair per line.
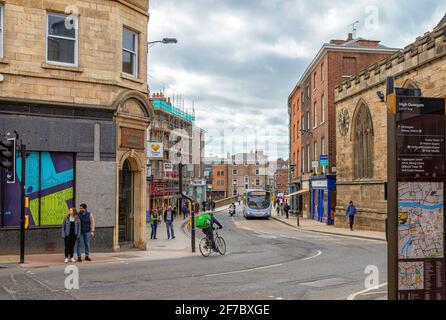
x,y
350,36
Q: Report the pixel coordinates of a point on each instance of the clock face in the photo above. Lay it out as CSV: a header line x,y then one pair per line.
x,y
344,122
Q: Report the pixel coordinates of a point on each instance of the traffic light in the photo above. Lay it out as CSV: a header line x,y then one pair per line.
x,y
8,158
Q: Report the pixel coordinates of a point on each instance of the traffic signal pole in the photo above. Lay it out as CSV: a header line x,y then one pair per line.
x,y
192,214
22,206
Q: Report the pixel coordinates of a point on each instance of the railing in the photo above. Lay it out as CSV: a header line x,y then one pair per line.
x,y
225,202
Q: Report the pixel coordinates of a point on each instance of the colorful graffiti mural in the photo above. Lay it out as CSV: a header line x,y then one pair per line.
x,y
49,186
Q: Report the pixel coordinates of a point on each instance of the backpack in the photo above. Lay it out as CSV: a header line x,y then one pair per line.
x,y
203,221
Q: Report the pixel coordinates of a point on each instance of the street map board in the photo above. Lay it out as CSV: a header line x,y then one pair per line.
x,y
420,154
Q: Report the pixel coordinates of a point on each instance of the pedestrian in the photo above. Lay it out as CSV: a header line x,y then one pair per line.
x,y
175,211
351,213
154,220
282,206
184,210
87,232
71,231
287,209
239,199
168,220
275,203
278,210
213,205
197,207
203,206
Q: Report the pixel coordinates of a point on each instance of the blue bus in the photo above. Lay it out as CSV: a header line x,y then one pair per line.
x,y
257,204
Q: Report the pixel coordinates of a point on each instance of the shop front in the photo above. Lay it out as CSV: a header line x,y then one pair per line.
x,y
323,198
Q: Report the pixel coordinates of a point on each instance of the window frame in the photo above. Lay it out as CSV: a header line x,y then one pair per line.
x,y
1,30
323,109
308,158
76,40
236,172
322,72
315,123
136,53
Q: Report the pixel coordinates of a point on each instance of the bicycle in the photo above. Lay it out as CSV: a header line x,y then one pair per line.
x,y
205,245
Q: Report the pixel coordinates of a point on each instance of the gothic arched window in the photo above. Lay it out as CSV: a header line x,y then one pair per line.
x,y
363,142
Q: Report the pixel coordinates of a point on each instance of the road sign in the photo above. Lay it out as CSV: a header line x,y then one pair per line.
x,y
416,173
315,164
324,160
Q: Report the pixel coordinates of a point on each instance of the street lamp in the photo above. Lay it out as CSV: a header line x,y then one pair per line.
x,y
164,41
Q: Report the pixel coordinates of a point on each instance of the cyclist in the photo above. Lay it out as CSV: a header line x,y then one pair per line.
x,y
209,232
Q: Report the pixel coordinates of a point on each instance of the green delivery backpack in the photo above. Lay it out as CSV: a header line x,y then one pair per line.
x,y
203,221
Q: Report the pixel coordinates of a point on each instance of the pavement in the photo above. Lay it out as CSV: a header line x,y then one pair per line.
x,y
159,249
265,260
315,226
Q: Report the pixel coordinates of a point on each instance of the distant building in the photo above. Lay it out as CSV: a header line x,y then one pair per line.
x,y
240,172
313,122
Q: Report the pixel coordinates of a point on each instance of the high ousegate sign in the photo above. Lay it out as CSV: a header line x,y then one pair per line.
x,y
416,165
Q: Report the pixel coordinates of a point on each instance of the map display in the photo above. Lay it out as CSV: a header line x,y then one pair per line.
x,y
420,220
411,276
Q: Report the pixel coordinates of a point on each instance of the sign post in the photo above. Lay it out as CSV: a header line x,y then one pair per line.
x,y
416,174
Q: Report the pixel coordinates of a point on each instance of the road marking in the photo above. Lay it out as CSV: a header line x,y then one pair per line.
x,y
244,270
318,253
372,293
10,292
354,295
13,280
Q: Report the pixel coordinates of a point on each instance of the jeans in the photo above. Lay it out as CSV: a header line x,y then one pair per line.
x,y
352,221
70,242
154,228
170,232
209,232
85,238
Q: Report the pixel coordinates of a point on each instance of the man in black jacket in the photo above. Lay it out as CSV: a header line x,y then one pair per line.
x,y
209,232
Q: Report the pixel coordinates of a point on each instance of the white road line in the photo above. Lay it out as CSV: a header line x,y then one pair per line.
x,y
354,295
318,253
245,270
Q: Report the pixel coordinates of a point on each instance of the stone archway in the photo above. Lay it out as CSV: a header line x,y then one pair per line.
x,y
133,114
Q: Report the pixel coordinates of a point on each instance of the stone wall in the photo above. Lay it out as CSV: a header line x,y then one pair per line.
x,y
98,79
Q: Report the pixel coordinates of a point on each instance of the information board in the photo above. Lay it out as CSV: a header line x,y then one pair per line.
x,y
420,155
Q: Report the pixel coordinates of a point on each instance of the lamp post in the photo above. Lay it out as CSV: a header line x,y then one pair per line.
x,y
164,41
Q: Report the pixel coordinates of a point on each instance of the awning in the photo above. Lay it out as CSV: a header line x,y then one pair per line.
x,y
298,193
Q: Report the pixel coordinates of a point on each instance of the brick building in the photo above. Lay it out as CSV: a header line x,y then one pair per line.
x,y
220,185
313,122
240,172
420,65
79,101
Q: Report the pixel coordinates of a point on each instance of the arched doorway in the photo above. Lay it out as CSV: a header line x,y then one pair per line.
x,y
126,203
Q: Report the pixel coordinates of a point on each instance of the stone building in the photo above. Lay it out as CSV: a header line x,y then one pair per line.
x,y
73,85
362,123
313,122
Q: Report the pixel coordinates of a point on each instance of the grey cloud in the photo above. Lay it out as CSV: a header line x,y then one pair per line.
x,y
239,60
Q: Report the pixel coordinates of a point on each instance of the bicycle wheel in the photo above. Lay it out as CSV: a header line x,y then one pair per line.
x,y
221,245
205,248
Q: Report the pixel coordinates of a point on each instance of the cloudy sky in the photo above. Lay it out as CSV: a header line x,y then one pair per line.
x,y
238,60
